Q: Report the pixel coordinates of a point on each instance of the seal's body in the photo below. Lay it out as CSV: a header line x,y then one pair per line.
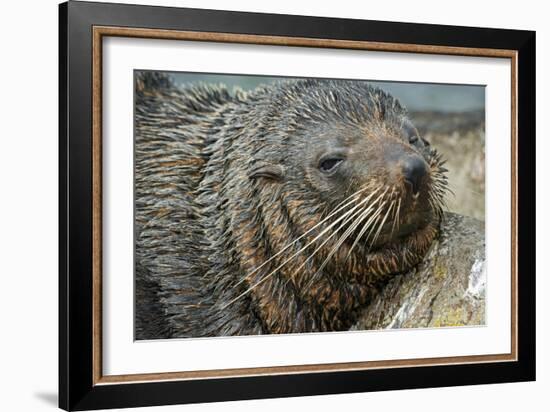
x,y
276,211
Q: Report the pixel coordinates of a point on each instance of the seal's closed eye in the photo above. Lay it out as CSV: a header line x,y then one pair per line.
x,y
267,171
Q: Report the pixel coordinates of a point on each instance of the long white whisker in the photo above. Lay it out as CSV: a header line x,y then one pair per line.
x,y
396,220
365,226
338,209
297,253
368,224
372,223
339,242
345,236
361,211
380,226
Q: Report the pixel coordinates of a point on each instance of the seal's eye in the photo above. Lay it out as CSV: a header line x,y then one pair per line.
x,y
410,133
330,165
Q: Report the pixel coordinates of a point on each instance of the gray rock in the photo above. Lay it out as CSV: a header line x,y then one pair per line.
x,y
447,289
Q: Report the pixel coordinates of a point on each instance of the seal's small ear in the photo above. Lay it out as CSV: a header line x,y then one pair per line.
x,y
267,171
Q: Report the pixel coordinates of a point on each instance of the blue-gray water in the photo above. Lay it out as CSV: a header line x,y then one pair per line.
x,y
415,96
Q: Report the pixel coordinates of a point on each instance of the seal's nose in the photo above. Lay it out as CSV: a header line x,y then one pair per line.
x,y
414,169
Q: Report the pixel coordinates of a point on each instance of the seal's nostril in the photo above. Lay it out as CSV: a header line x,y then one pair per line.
x,y
414,169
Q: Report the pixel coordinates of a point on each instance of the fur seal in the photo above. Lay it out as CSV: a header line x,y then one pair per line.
x,y
280,210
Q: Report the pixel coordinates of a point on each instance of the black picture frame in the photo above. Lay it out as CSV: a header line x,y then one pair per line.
x,y
77,390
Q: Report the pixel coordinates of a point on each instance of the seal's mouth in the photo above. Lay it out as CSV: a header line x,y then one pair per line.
x,y
389,237
390,214
395,230
401,254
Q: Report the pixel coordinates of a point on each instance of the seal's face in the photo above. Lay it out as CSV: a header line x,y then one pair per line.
x,y
379,183
390,167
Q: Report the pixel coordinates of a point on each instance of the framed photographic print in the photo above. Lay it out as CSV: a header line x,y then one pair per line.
x,y
257,205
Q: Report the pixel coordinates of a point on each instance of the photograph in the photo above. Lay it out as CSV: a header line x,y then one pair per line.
x,y
214,206
277,205
258,205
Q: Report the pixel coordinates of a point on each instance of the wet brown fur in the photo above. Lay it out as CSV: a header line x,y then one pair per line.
x,y
225,182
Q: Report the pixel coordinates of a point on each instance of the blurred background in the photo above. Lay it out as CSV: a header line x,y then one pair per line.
x,y
450,117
